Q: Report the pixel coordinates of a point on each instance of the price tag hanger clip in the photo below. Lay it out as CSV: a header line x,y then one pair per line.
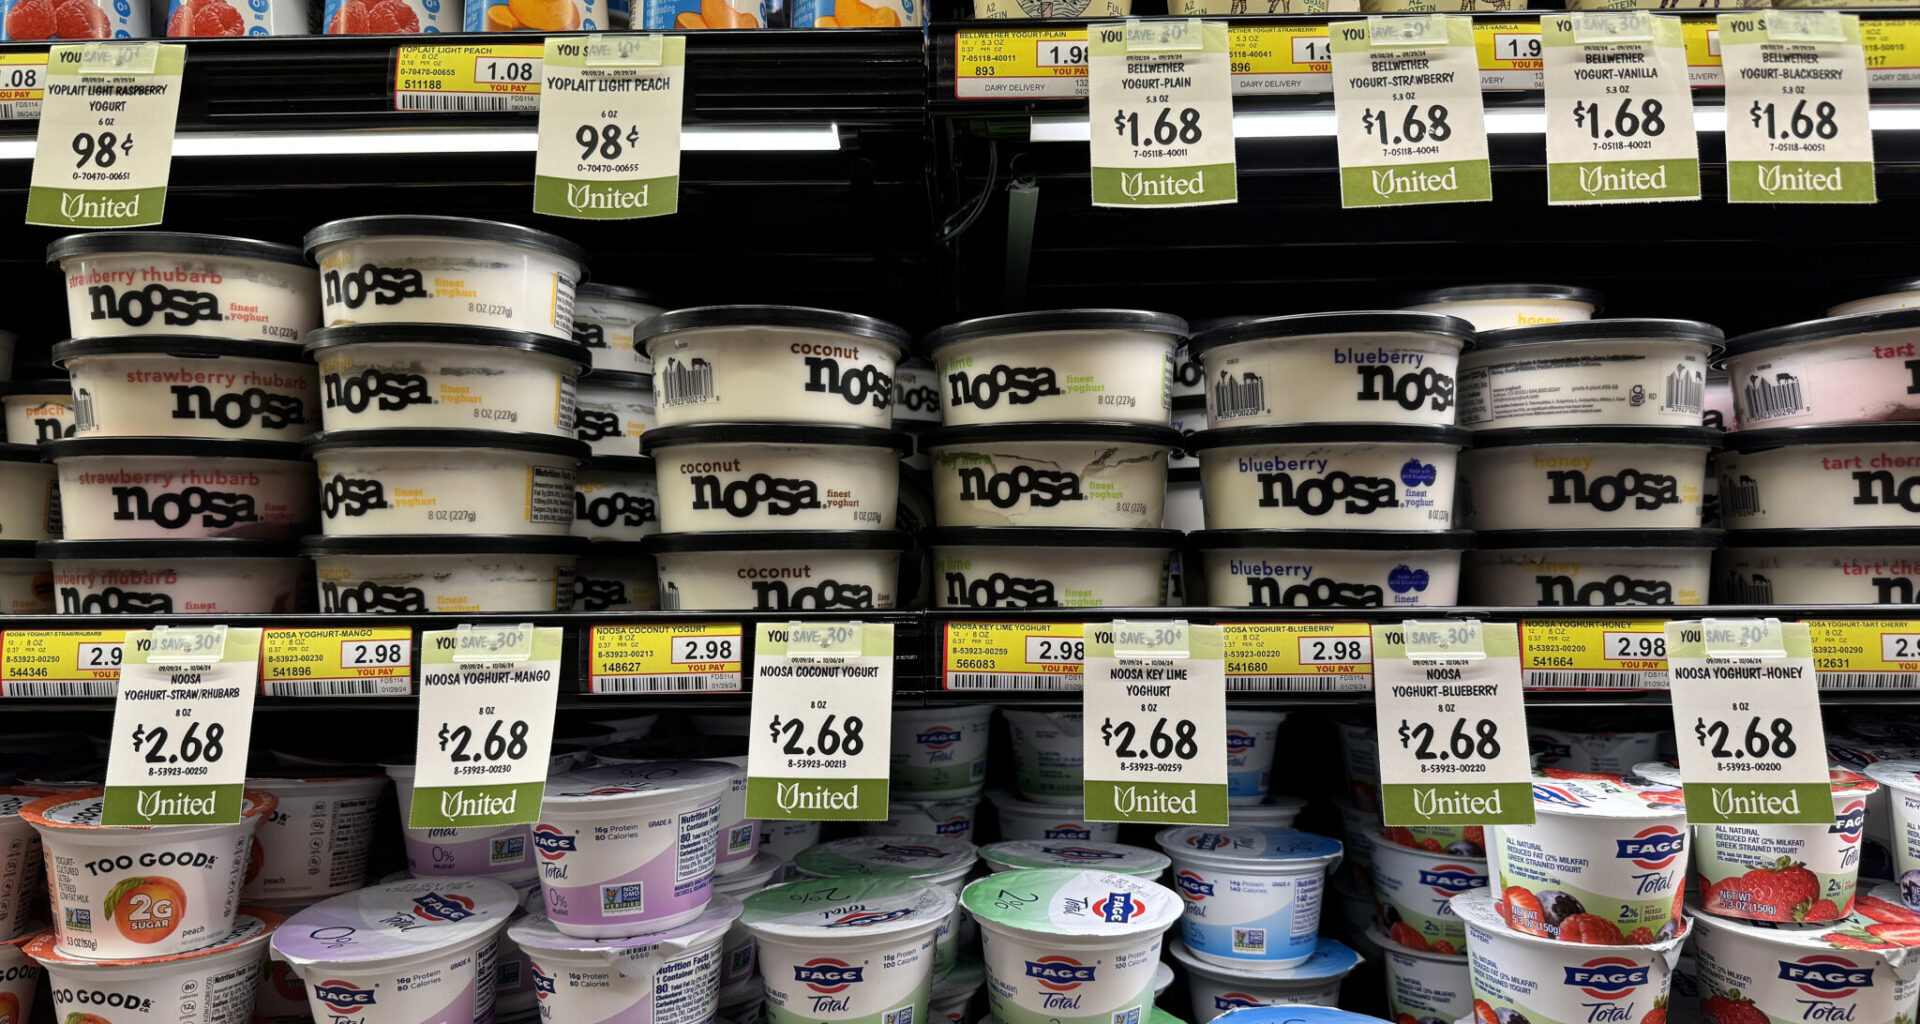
x,y
1742,638
1612,27
825,639
1402,32
1165,36
1806,26
490,642
188,645
105,60
1437,641
1160,640
624,51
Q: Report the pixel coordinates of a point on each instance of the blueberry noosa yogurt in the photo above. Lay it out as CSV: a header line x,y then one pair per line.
x,y
1331,568
438,375
165,282
1351,477
1250,894
786,364
743,476
1387,367
847,950
1818,566
1860,969
1821,477
1036,567
1022,854
1519,978
1570,478
189,387
1050,474
1068,364
417,950
212,983
1490,307
668,976
1589,373
1570,568
446,270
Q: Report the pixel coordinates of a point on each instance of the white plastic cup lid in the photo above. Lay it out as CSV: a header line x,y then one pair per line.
x,y
1018,854
1330,959
582,789
1605,795
1246,845
840,909
396,921
903,856
1066,901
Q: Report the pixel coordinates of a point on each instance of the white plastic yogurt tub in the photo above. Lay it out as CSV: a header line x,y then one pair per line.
x,y
411,574
1413,887
381,375
847,949
159,488
614,410
952,818
1899,778
614,498
1275,810
951,1000
616,577
933,859
416,950
19,979
1037,567
187,387
1067,364
1528,977
630,848
1056,821
1366,367
1251,895
133,891
1189,415
1111,475
1592,750
737,840
1821,477
1845,369
1083,944
169,282
1331,568
1815,566
606,319
379,482
1048,756
667,976
1490,307
1216,989
37,410
1347,477
201,985
446,270
1760,971
1567,568
1024,854
779,571
1898,293
1641,373
503,852
1252,736
773,364
1430,987
338,810
29,495
205,576
1717,410
1585,478
939,753
916,396
743,476
737,960
21,880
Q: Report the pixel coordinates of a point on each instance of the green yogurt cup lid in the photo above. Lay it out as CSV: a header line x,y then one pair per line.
x,y
1066,901
898,856
845,909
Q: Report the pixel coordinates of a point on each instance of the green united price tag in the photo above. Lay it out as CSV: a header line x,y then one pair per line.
x,y
1619,109
1411,126
485,737
1161,103
1156,723
821,730
1796,87
105,146
1453,728
182,719
609,145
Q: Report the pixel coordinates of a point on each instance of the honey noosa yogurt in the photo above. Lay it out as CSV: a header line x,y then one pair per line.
x,y
779,571
169,282
433,481
785,364
188,387
1490,307
1068,364
1591,567
158,488
204,576
1570,478
1385,367
435,375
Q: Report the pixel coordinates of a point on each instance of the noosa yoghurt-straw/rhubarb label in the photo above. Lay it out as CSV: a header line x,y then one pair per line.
x,y
163,282
201,576
1394,367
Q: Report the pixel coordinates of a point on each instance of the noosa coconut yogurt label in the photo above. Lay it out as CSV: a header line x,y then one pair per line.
x,y
1333,367
724,477
162,282
778,571
1369,478
787,364
1586,478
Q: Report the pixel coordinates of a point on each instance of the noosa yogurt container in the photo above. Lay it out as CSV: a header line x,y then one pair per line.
x,y
135,891
1863,968
1022,854
168,282
1331,568
1860,475
211,983
785,364
1604,863
1571,568
1367,367
188,387
1216,989
614,409
607,318
1490,307
1039,567
1050,821
1589,373
939,753
37,410
1818,566
26,580
744,476
1250,894
1349,477
412,574
614,499
853,950
400,953
1519,977
1050,474
157,488
29,494
1573,478
1068,364
445,270
437,481
669,976
779,570
376,375
203,576
1844,369
1070,946
936,860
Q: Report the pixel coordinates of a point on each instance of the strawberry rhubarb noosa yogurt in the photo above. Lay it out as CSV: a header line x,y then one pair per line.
x,y
125,892
211,983
1863,967
174,283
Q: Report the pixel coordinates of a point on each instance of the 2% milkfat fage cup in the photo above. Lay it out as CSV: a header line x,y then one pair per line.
x,y
1863,967
1520,978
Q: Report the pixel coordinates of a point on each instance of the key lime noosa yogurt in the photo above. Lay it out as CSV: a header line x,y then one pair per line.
x,y
853,950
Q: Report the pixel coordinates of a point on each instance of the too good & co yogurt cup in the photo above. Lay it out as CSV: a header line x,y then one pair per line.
x,y
336,811
1251,895
19,979
847,950
211,983
773,364
1368,367
670,976
167,282
1069,364
20,861
940,753
1517,977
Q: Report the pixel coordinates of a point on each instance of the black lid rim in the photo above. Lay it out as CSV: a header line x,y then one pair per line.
x,y
619,464
1183,475
430,226
1653,434
1332,540
1827,537
1680,538
1183,403
400,544
1317,325
185,242
1328,433
211,447
1045,537
1497,292
182,347
617,292
1089,432
322,338
1897,432
19,549
695,318
619,379
1632,329
777,540
448,437
1824,330
14,452
775,433
139,548
1054,320
36,386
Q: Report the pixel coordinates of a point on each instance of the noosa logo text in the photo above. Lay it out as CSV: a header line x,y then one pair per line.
x,y
781,496
1040,488
1317,495
176,307
1265,592
1607,977
172,510
599,595
1019,385
590,335
1879,487
551,843
351,496
113,601
615,507
776,595
858,385
371,388
1428,387
1826,976
238,409
343,996
1652,848
368,596
999,590
1611,492
595,424
386,286
1618,589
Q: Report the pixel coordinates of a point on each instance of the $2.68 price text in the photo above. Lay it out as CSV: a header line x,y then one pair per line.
x,y
1157,746
503,741
801,742
1463,739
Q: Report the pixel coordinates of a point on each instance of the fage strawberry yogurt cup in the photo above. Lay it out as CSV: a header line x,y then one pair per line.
x,y
1862,968
1518,977
1414,889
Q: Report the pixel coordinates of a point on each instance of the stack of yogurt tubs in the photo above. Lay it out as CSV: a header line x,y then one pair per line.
x,y
447,466
916,410
1050,473
183,487
1184,512
1328,465
777,473
1588,469
32,411
615,505
1820,486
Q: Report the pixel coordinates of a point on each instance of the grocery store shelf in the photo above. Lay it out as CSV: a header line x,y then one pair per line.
x,y
1301,124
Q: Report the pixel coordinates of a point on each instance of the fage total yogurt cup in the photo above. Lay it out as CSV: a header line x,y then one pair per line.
x,y
940,752
1047,755
1252,736
1862,968
1216,989
1250,894
167,282
669,976
1024,819
1517,976
935,860
1375,367
1022,854
211,983
847,950
1427,986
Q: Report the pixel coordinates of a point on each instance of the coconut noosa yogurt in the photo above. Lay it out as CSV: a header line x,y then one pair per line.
x,y
1067,364
779,570
1384,367
847,950
785,364
747,476
1067,946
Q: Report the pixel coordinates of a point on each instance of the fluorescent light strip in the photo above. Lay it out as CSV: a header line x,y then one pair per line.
x,y
1300,124
697,138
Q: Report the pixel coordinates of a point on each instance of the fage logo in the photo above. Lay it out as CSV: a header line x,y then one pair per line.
x,y
1607,977
1652,848
1826,976
343,996
827,975
444,906
551,843
1057,973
